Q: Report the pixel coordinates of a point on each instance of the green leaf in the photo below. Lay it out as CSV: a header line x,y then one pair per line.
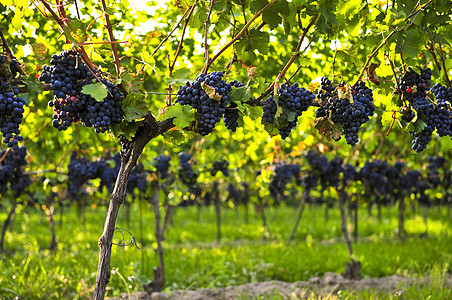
x,y
174,137
183,114
291,116
180,77
134,107
96,90
241,94
127,129
257,5
417,124
34,86
412,43
254,112
272,128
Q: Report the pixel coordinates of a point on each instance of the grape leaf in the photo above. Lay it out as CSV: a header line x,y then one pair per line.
x,y
125,128
39,50
34,86
183,114
210,91
417,124
134,107
174,137
96,90
328,128
254,112
271,128
180,77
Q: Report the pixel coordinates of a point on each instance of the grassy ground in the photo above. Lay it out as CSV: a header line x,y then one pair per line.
x,y
194,260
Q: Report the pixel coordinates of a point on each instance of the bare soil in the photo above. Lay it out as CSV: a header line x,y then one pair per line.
x,y
329,284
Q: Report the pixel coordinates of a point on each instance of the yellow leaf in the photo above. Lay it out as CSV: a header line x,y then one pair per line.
x,y
210,91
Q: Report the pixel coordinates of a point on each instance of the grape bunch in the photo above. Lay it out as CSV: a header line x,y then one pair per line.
x,y
186,174
351,108
11,171
373,175
162,164
233,194
292,100
284,173
107,173
67,75
137,179
80,171
443,95
210,110
415,88
434,164
11,105
231,114
222,166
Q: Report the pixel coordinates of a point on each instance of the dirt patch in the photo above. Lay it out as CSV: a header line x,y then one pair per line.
x,y
330,283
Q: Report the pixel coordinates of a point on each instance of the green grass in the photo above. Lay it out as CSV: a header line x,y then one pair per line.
x,y
194,260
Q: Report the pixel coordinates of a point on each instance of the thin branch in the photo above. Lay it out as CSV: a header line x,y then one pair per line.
x,y
289,63
5,44
441,55
76,8
431,49
4,155
334,62
179,48
414,14
116,60
371,56
206,47
239,35
169,35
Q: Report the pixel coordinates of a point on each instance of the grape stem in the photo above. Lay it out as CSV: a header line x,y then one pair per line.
x,y
289,63
206,31
169,35
8,50
431,49
116,60
413,14
441,55
179,48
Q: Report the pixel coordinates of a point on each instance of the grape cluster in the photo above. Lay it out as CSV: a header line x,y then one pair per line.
x,y
162,164
284,173
233,194
108,174
231,114
443,95
222,166
11,106
270,109
414,88
350,108
210,111
67,75
186,174
80,171
137,179
434,164
292,100
373,175
328,172
11,171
